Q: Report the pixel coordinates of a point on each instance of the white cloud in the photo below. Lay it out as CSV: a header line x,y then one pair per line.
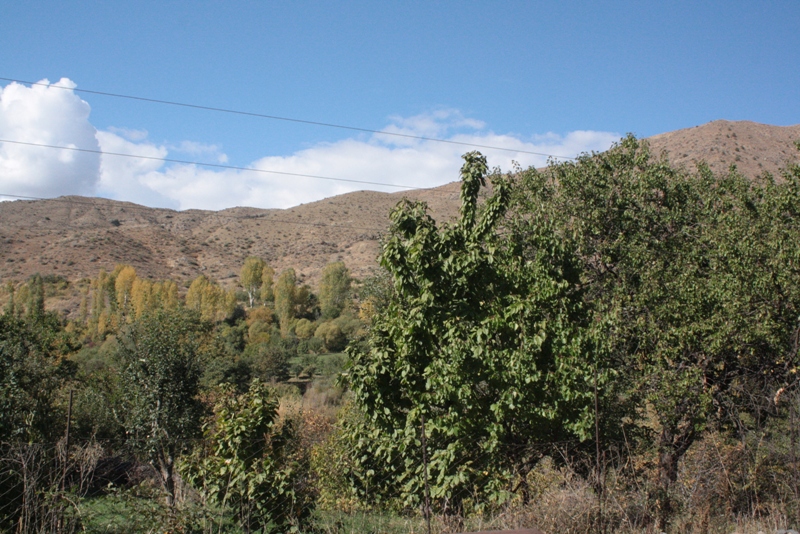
x,y
129,134
44,114
125,178
194,148
58,117
380,158
436,124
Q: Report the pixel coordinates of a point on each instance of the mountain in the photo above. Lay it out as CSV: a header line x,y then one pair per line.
x,y
74,237
754,148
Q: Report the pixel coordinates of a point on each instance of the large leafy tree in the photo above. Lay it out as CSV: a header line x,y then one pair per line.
x,y
690,279
292,301
161,365
481,346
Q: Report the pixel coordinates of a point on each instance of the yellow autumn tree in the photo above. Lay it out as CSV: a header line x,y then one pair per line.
x,y
250,277
166,294
211,301
142,298
126,276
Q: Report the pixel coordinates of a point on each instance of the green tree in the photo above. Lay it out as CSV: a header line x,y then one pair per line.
x,y
160,357
30,376
10,308
247,463
334,289
35,304
251,277
286,299
690,280
480,343
267,284
332,336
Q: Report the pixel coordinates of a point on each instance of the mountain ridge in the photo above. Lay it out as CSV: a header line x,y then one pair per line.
x,y
74,237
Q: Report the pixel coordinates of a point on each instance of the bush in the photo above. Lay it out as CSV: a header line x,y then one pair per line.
x,y
270,361
332,336
248,463
304,329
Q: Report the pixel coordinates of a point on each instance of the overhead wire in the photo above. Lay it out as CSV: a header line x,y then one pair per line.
x,y
286,119
431,190
246,169
214,165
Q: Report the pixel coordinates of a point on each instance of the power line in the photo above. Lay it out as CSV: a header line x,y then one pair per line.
x,y
287,119
215,165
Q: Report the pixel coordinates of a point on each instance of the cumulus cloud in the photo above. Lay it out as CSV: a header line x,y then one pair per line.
x,y
380,158
47,115
125,168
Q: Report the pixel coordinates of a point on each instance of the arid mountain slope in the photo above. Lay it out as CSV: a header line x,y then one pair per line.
x,y
754,148
75,237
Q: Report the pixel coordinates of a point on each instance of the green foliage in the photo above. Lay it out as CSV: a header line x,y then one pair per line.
x,y
484,344
10,308
332,336
304,329
30,376
99,398
267,290
161,368
374,294
334,289
286,299
313,345
35,305
690,278
248,464
270,361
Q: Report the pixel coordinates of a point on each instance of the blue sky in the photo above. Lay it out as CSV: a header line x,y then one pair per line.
x,y
555,77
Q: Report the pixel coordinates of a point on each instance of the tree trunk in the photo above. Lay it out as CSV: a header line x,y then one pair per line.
x,y
672,445
167,471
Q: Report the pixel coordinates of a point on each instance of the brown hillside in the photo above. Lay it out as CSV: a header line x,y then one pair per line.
x,y
75,237
754,148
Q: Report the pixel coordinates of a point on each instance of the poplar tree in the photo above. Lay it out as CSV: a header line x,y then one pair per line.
x,y
251,277
334,289
286,299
